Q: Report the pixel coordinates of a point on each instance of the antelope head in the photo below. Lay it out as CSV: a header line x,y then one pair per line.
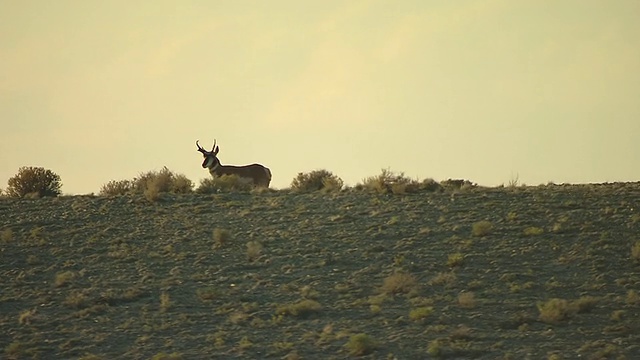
x,y
210,157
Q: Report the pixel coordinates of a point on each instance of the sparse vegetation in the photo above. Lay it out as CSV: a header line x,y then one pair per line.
x,y
481,228
317,180
635,251
455,259
457,184
399,283
165,302
151,184
34,182
296,275
420,313
360,344
397,183
467,300
301,308
63,278
533,231
224,183
207,294
26,317
254,250
221,236
556,310
116,187
6,235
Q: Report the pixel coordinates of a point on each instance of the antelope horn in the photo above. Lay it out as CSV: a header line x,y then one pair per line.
x,y
200,147
213,149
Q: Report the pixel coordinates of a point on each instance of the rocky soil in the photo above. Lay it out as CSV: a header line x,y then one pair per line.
x,y
468,274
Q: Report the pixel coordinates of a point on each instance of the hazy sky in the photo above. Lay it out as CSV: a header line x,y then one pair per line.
x,y
484,90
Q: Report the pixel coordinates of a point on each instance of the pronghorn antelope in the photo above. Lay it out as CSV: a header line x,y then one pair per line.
x,y
255,173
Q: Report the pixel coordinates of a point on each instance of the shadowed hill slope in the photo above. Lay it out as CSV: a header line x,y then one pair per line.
x,y
470,274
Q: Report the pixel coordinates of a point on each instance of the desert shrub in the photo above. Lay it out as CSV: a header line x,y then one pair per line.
x,y
163,181
481,228
455,259
555,310
254,250
360,344
584,304
224,183
533,231
151,184
181,184
430,185
6,236
467,299
396,183
116,187
64,278
34,180
420,313
389,182
208,293
301,308
317,180
221,236
399,283
457,184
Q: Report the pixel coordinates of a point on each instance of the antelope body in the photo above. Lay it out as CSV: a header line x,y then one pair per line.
x,y
254,173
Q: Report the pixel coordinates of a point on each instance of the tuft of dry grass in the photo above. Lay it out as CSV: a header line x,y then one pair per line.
x,y
455,259
635,251
6,236
633,298
467,300
420,313
445,278
584,304
152,192
481,228
555,310
302,308
254,250
224,183
361,344
533,231
165,302
64,278
76,300
399,283
220,236
462,332
26,317
207,294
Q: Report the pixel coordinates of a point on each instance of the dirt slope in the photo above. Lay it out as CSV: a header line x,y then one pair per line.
x,y
285,275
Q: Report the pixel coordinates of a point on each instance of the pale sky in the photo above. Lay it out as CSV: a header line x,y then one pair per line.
x,y
486,90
